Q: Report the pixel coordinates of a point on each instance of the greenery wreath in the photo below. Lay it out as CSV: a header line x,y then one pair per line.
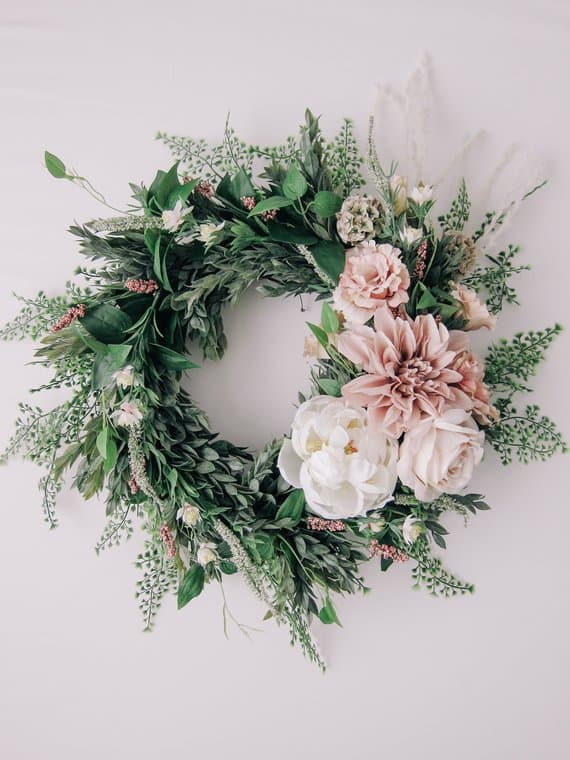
x,y
400,405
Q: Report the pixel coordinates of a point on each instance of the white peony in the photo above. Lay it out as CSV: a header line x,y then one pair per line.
x,y
344,469
173,218
439,454
421,194
124,377
127,415
206,553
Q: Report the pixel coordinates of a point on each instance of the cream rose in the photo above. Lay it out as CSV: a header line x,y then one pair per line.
x,y
343,469
373,275
440,453
399,188
472,308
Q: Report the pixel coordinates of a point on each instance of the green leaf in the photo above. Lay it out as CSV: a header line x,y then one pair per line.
x,y
326,203
110,455
102,442
327,613
427,300
282,233
54,165
172,359
106,364
294,184
268,204
329,319
191,585
329,387
319,334
330,257
163,185
106,323
182,193
228,567
293,507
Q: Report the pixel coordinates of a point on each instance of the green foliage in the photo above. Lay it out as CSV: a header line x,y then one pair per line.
x,y
510,364
494,280
528,435
344,160
159,577
119,527
458,214
191,585
431,574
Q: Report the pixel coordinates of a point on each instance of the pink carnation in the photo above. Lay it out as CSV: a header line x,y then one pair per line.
x,y
472,372
410,370
374,275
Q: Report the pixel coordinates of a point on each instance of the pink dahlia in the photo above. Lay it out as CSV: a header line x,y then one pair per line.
x,y
374,275
409,366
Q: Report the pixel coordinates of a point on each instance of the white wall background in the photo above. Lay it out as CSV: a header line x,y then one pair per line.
x,y
484,677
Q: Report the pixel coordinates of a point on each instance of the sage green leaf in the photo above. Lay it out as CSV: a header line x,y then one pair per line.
x,y
269,204
294,184
327,613
293,507
102,442
329,319
326,203
330,256
54,165
319,334
191,585
427,300
329,387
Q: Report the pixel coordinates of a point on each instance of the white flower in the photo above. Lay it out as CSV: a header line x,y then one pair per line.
x,y
421,194
439,454
343,467
399,188
173,218
409,235
206,553
124,377
127,415
375,525
411,529
207,232
189,514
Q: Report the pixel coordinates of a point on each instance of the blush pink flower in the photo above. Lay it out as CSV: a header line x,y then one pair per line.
x,y
472,309
472,372
409,366
374,275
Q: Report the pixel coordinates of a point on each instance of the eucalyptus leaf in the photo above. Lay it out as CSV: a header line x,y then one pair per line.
x,y
55,165
269,204
293,507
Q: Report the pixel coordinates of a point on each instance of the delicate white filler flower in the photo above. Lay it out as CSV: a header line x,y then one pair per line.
x,y
411,529
127,415
344,469
409,235
206,553
124,377
207,232
173,218
421,194
189,514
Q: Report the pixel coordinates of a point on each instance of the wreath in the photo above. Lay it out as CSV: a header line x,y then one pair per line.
x,y
400,405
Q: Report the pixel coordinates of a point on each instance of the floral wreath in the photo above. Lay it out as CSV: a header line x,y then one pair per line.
x,y
400,406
